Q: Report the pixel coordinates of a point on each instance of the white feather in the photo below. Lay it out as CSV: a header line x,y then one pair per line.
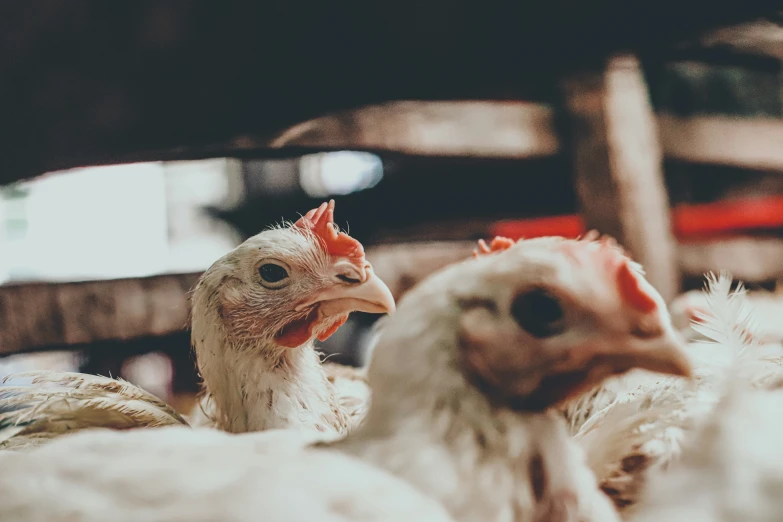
x,y
651,419
732,465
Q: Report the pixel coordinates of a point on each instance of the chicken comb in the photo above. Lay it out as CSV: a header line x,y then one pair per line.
x,y
498,244
631,289
320,221
614,260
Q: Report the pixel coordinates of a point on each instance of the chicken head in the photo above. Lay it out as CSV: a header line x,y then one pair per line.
x,y
555,317
466,372
293,283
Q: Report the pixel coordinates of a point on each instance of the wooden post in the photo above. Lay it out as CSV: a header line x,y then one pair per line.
x,y
618,166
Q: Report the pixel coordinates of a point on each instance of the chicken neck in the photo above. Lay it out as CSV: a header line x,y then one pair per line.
x,y
429,426
455,449
258,385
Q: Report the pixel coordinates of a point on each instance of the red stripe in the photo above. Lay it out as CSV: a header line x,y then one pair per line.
x,y
689,221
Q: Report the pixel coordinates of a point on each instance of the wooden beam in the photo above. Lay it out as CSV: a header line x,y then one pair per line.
x,y
761,37
749,259
469,128
39,314
508,130
618,166
752,143
520,130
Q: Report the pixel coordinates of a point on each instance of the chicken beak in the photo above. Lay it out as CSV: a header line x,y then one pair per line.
x,y
663,354
371,296
589,365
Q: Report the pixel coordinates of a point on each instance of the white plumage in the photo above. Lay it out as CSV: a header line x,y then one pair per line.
x,y
638,425
731,468
253,341
461,376
37,406
202,476
765,307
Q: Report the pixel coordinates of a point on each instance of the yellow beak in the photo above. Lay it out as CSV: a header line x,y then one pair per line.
x,y
371,296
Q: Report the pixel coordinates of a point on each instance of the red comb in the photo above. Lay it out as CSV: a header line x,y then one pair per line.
x,y
631,290
615,261
496,245
629,284
320,221
593,247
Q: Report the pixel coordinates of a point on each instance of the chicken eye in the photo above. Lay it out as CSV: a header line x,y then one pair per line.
x,y
539,313
271,273
349,279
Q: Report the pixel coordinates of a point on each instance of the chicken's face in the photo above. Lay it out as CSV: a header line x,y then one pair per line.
x,y
290,285
549,318
528,327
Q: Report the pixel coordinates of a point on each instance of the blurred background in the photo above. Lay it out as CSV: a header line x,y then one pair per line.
x,y
103,243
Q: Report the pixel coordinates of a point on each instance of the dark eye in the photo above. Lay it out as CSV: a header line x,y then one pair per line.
x,y
271,273
539,313
348,279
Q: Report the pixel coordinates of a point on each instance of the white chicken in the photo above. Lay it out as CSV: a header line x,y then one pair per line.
x,y
462,376
731,469
637,425
255,315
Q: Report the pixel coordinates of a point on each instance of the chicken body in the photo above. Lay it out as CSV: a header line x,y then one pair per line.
x,y
731,469
635,426
240,478
462,378
38,406
256,313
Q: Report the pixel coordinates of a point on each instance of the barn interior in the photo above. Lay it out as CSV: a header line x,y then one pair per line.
x,y
145,140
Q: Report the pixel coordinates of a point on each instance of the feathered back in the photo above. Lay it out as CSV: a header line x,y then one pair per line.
x,y
38,406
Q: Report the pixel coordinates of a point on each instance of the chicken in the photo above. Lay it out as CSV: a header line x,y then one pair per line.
x,y
463,378
731,468
38,406
255,315
638,425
